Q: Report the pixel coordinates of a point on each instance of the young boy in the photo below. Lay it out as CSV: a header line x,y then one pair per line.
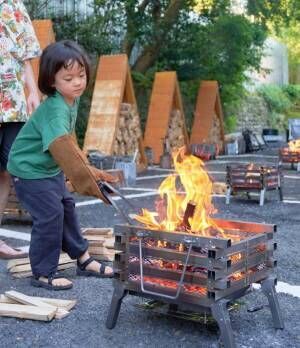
x,y
42,150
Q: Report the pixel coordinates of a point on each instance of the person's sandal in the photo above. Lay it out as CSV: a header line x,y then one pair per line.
x,y
35,281
82,271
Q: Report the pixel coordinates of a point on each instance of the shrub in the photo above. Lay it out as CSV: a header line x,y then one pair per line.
x,y
293,93
276,99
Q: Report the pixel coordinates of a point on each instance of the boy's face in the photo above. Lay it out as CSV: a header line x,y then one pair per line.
x,y
70,82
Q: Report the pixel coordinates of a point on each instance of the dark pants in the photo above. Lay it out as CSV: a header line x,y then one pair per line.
x,y
8,133
55,225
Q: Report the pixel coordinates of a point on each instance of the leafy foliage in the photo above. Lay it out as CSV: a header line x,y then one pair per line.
x,y
200,39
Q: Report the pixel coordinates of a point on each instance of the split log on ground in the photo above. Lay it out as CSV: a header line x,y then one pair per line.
x,y
24,299
60,303
60,313
26,312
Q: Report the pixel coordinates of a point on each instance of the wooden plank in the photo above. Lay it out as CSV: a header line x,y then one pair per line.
x,y
64,258
27,312
97,231
60,303
28,300
27,268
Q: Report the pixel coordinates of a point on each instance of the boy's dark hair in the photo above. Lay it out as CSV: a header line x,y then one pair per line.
x,y
54,57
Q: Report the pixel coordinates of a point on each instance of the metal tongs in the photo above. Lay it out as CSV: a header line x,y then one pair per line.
x,y
107,190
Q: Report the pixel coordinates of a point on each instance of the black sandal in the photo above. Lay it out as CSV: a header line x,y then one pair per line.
x,y
35,281
82,271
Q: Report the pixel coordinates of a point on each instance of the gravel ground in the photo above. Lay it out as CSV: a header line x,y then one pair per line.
x,y
137,327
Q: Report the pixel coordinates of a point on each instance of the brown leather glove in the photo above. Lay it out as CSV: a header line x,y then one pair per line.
x,y
73,162
101,175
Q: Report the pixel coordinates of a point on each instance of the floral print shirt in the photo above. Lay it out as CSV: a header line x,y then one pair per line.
x,y
18,43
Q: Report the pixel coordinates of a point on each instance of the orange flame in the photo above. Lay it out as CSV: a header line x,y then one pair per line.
x,y
197,189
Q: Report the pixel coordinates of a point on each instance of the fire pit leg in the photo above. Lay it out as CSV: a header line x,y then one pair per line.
x,y
262,197
228,193
116,301
268,288
298,166
220,313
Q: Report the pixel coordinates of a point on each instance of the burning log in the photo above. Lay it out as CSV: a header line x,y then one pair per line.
x,y
188,214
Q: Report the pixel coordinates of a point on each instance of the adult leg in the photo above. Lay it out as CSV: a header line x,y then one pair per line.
x,y
42,198
8,133
4,191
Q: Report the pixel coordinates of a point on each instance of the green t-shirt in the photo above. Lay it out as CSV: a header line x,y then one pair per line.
x,y
29,157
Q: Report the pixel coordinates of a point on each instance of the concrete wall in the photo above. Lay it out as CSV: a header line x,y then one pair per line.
x,y
274,66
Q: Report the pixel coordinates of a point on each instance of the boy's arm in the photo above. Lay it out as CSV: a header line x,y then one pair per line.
x,y
74,164
33,99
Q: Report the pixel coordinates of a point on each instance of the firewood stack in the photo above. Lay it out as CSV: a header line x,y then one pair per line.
x,y
101,243
14,208
20,268
128,133
175,134
215,133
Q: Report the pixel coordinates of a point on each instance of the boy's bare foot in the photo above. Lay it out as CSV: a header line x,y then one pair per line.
x,y
87,266
52,283
95,266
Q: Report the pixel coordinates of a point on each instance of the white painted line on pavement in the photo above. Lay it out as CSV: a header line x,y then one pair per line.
x,y
289,201
151,177
246,155
138,189
97,201
14,234
291,177
285,288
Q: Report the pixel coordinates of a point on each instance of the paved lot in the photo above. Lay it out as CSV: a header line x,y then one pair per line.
x,y
136,327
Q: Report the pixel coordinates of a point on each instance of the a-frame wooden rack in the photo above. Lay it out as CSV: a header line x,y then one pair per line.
x,y
208,126
166,120
114,123
44,32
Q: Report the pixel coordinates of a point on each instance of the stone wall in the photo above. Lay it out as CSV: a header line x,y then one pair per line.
x,y
252,114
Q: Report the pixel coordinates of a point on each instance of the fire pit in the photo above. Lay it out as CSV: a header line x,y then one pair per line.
x,y
291,154
187,259
253,178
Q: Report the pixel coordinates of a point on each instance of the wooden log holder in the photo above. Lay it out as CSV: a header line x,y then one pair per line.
x,y
166,120
208,127
114,124
45,34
